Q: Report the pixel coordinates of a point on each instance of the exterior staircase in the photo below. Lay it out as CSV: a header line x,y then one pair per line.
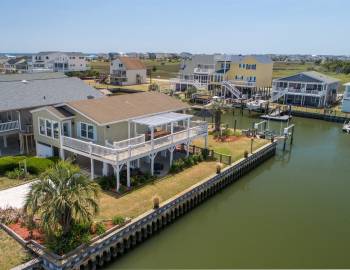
x,y
232,89
277,95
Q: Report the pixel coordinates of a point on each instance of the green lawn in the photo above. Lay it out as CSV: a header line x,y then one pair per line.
x,y
100,66
11,252
140,200
235,149
164,68
7,183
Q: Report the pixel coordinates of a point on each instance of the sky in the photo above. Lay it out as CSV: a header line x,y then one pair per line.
x,y
196,26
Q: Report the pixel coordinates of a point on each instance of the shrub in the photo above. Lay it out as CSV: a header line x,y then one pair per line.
x,y
205,153
246,154
100,228
156,202
79,234
118,220
9,163
10,215
218,168
106,182
16,174
36,165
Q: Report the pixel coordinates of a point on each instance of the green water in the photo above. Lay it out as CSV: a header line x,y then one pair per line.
x,y
291,212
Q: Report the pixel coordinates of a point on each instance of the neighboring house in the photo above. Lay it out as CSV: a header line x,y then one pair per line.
x,y
59,61
21,93
346,99
16,65
119,133
127,71
308,88
225,75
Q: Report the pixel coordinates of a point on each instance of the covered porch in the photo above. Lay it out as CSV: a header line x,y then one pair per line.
x,y
155,139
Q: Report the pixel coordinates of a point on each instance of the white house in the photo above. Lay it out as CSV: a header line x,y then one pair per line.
x,y
59,61
127,71
346,100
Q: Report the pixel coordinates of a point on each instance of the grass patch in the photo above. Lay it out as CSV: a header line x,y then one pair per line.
x,y
11,252
6,182
235,149
140,200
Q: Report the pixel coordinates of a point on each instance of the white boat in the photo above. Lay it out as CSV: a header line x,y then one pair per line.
x,y
346,127
256,104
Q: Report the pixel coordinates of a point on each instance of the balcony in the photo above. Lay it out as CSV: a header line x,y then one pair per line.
x,y
204,70
9,127
133,148
300,91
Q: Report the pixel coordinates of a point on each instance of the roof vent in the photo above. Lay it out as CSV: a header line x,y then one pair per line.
x,y
44,97
24,81
90,97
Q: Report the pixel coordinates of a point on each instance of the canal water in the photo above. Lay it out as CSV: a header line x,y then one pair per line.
x,y
291,212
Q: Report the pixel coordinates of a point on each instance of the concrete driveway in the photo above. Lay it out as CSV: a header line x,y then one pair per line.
x,y
14,197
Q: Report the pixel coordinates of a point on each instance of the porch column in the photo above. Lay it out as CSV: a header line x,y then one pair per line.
x,y
152,156
152,137
105,169
135,129
128,129
188,128
92,169
61,142
206,141
128,174
117,176
187,148
171,149
5,140
19,121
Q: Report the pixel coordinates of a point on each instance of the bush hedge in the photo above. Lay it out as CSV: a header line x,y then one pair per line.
x,y
35,165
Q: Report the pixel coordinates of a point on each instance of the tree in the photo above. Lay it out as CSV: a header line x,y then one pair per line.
x,y
62,197
190,91
216,107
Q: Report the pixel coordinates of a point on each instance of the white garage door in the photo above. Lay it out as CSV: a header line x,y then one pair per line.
x,y
43,150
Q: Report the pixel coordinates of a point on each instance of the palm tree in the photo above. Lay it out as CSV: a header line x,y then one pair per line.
x,y
216,107
62,197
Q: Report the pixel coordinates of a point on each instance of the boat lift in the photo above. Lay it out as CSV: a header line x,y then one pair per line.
x,y
262,129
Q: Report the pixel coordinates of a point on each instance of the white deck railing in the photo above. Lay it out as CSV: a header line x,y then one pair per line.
x,y
133,150
9,126
302,91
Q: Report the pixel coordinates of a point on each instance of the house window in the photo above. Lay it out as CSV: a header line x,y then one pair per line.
x,y
120,65
254,66
42,127
87,131
48,128
55,129
66,129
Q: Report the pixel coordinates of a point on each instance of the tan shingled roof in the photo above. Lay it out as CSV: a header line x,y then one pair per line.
x,y
132,63
108,110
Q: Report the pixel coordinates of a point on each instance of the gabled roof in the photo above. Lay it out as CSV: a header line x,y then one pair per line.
x,y
132,63
23,91
309,76
17,60
120,108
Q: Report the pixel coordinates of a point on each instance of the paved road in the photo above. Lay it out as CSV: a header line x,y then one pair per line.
x,y
14,197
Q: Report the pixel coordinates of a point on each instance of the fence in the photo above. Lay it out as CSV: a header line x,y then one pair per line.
x,y
222,158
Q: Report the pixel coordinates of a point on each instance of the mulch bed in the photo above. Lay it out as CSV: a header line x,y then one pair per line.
x,y
24,233
38,236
